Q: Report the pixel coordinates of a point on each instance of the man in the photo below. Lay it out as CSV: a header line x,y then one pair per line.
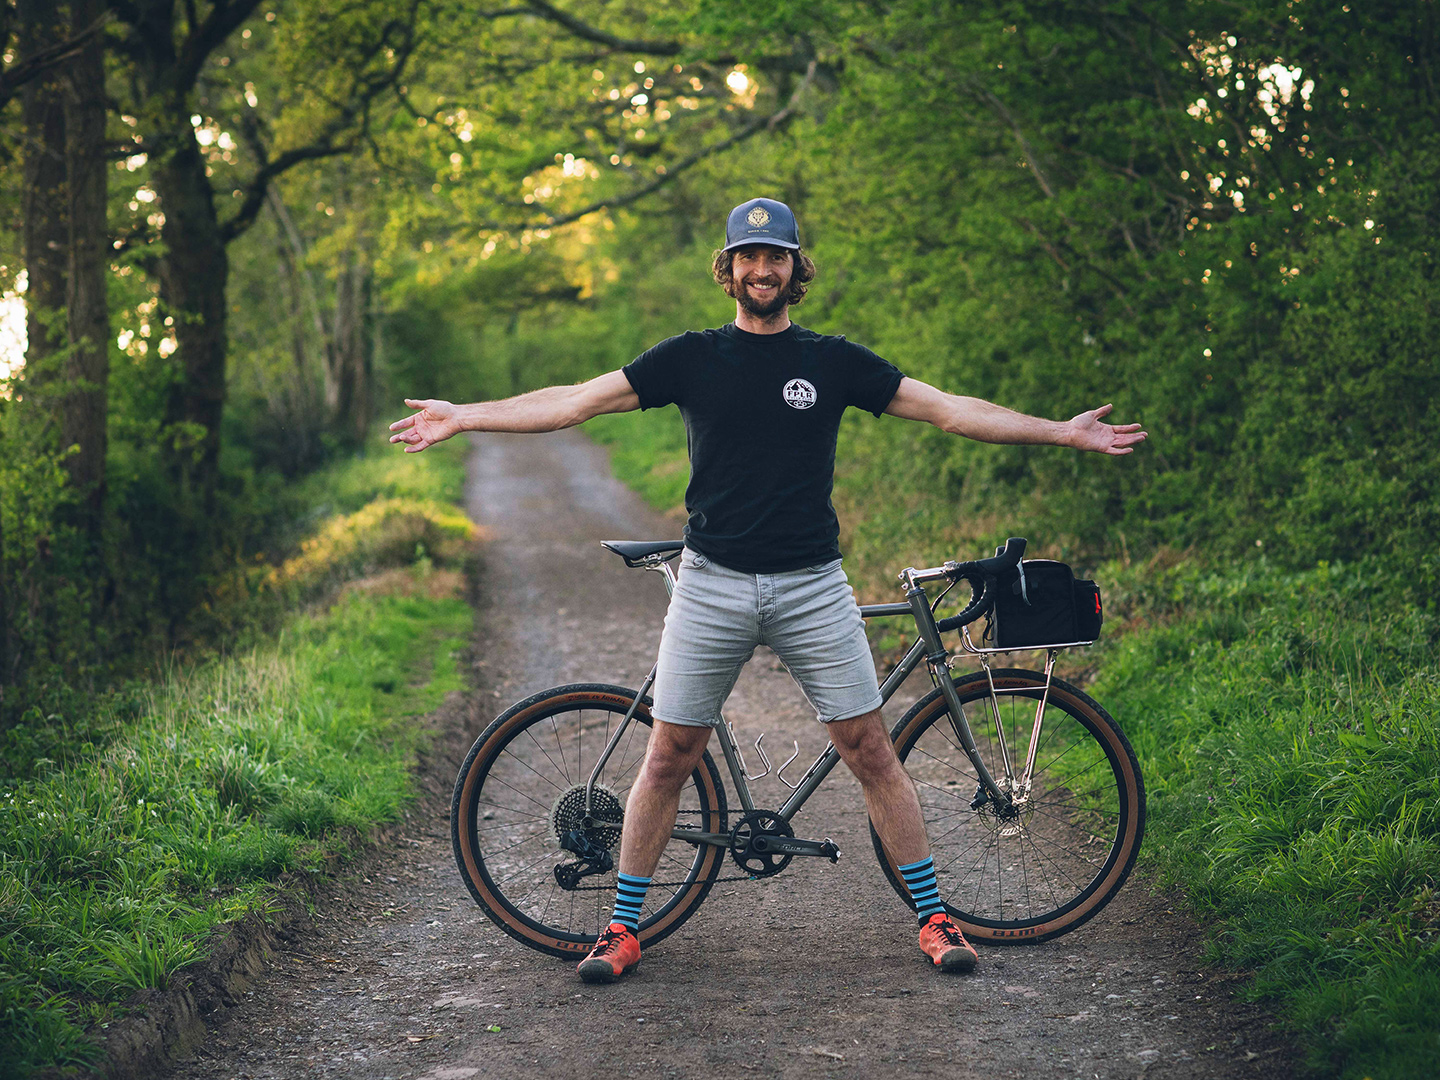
x,y
762,400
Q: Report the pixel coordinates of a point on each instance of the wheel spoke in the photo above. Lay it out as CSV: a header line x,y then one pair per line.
x,y
538,776
1034,867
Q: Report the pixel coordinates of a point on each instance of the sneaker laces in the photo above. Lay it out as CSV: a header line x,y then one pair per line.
x,y
949,931
609,941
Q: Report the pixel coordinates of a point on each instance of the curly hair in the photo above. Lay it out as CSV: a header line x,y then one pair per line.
x,y
802,274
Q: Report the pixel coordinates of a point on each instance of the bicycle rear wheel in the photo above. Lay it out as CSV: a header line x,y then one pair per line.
x,y
522,788
1063,855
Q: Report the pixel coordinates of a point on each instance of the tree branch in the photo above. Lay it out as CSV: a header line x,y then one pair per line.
x,y
328,143
32,67
224,19
773,122
591,33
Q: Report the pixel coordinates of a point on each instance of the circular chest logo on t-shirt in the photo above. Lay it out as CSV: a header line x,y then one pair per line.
x,y
799,394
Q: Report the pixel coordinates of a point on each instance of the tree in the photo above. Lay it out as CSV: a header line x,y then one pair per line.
x,y
168,48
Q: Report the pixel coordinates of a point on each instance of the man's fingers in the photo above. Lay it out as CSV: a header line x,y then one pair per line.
x,y
401,425
1124,428
1103,410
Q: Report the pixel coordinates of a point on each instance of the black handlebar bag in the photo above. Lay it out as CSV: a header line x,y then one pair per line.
x,y
1043,603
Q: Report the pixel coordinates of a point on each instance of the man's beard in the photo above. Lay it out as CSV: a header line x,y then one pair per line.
x,y
762,309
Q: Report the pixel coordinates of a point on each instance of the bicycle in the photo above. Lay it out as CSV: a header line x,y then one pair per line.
x,y
1035,816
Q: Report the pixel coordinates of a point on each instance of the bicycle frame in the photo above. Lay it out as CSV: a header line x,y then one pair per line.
x,y
928,647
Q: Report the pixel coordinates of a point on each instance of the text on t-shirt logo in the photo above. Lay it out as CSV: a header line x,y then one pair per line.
x,y
799,394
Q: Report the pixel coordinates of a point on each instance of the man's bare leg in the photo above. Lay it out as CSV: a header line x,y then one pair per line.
x,y
865,747
894,807
671,757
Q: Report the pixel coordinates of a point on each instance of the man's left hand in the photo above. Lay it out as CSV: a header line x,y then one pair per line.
x,y
1088,432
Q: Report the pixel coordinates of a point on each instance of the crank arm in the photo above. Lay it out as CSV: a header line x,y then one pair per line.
x,y
794,845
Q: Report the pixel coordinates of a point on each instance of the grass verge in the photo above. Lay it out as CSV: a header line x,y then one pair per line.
x,y
213,780
648,453
1288,725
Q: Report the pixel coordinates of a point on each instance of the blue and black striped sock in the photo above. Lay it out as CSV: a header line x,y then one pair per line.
x,y
629,896
920,880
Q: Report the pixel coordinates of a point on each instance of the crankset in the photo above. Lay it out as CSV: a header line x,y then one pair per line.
x,y
762,844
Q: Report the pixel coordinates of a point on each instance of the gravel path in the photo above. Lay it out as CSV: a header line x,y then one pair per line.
x,y
811,973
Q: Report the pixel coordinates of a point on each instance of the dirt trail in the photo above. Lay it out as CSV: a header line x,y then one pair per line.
x,y
811,973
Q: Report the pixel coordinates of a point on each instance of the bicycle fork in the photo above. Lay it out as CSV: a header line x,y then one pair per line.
x,y
1004,792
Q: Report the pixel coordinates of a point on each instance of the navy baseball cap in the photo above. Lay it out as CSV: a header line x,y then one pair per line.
x,y
762,221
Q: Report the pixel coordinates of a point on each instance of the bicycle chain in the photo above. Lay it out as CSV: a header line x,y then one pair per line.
x,y
667,884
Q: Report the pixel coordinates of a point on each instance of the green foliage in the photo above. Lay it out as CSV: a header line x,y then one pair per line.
x,y
648,454
1288,726
319,534
112,871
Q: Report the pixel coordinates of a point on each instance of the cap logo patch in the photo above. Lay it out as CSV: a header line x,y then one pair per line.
x,y
759,217
799,394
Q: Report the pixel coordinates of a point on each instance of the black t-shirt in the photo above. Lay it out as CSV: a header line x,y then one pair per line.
x,y
762,412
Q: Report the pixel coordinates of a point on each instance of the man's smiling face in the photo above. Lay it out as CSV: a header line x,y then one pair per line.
x,y
762,278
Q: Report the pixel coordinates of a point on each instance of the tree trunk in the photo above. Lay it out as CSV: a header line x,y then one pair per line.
x,y
348,383
193,274
87,367
4,612
43,206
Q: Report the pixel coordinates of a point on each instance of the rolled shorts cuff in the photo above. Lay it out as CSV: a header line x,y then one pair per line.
x,y
678,722
850,714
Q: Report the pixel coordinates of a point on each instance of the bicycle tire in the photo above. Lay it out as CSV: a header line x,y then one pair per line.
x,y
502,819
1061,882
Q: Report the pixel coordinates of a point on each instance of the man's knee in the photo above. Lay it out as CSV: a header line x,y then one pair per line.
x,y
674,751
864,745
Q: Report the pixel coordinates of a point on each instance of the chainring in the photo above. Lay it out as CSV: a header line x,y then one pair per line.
x,y
749,833
568,813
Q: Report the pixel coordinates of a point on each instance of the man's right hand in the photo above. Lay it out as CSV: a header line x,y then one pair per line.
x,y
435,422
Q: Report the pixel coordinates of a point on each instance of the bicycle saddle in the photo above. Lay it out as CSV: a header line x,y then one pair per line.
x,y
632,551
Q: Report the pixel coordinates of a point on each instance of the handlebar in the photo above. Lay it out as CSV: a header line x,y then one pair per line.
x,y
982,574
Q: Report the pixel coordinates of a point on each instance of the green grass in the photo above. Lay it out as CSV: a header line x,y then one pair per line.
x,y
647,452
1288,726
177,805
383,471
112,871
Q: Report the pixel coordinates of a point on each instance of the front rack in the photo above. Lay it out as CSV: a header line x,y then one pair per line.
x,y
970,647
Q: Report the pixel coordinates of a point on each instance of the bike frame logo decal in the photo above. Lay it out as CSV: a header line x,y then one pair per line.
x,y
799,394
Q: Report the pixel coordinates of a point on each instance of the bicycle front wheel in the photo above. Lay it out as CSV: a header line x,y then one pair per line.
x,y
520,797
1060,855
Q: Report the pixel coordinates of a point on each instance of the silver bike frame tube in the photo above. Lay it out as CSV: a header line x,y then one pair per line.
x,y
615,739
928,646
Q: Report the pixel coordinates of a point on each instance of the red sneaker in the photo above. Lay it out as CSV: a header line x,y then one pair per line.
x,y
942,941
617,952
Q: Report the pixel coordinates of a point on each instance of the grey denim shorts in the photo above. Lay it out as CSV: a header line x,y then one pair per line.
x,y
718,616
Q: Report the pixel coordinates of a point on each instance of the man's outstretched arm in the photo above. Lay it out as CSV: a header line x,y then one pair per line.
x,y
550,409
985,422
